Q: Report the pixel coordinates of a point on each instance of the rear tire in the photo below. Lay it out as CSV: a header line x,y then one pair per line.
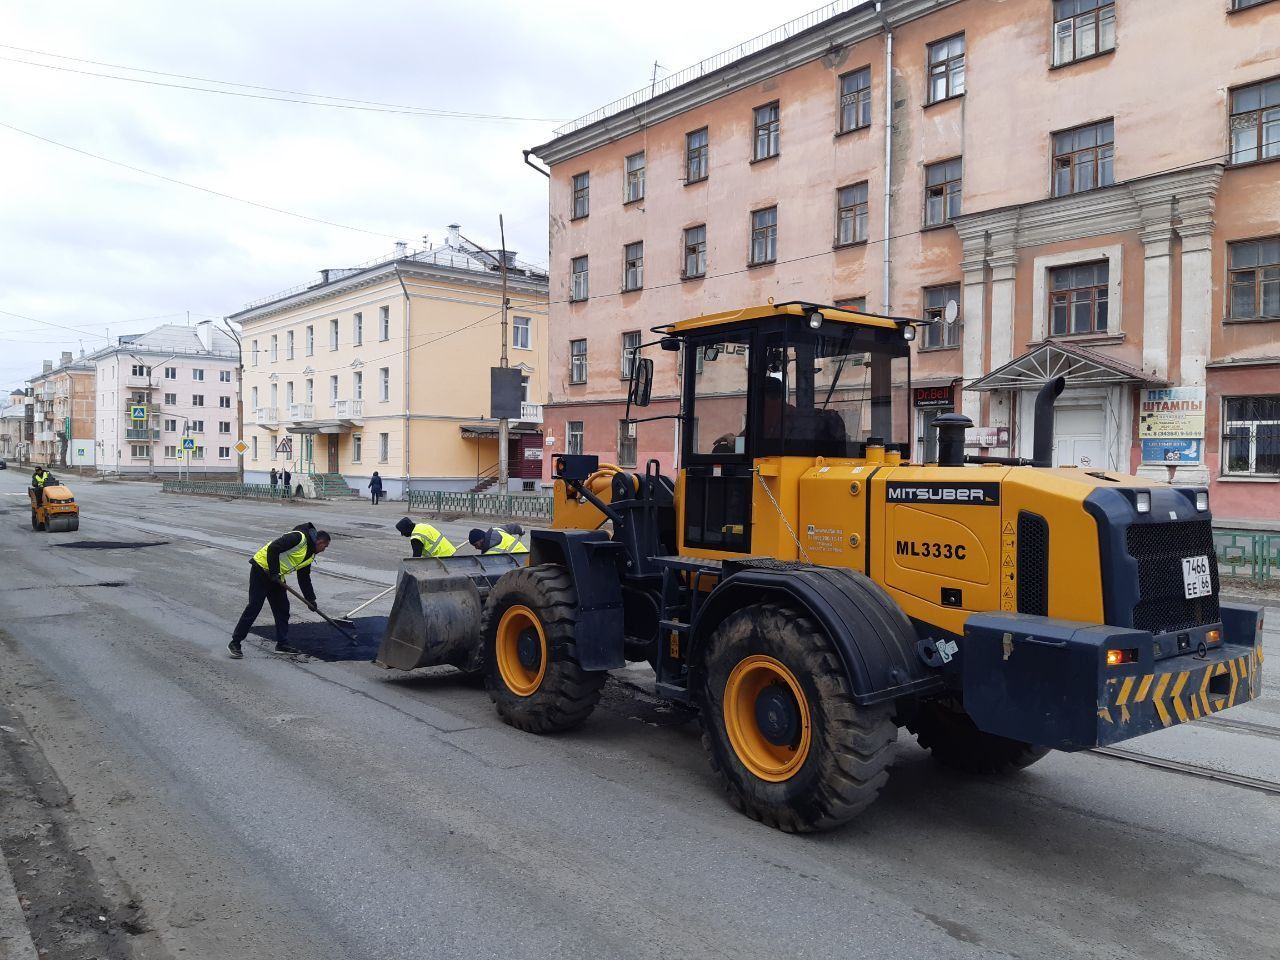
x,y
530,652
780,726
35,521
955,741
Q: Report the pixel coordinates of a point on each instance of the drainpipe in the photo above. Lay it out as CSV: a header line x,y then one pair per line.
x,y
407,306
888,149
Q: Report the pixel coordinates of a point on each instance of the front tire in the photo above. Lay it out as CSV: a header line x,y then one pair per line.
x,y
530,652
955,741
35,520
780,726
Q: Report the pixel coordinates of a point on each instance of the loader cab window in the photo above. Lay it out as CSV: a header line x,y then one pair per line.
x,y
718,418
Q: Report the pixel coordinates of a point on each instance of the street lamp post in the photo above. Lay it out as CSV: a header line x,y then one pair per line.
x,y
239,394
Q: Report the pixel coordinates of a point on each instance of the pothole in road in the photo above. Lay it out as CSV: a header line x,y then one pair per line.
x,y
111,544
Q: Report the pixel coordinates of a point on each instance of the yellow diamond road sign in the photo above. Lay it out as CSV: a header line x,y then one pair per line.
x,y
241,446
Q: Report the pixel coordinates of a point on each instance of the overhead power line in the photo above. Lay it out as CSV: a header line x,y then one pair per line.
x,y
314,99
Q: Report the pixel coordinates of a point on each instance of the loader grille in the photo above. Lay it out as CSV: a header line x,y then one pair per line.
x,y
1033,564
1159,549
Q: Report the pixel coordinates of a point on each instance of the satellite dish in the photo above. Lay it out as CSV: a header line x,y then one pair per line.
x,y
952,312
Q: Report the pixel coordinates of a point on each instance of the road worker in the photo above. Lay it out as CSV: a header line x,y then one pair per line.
x,y
497,540
39,477
291,553
424,539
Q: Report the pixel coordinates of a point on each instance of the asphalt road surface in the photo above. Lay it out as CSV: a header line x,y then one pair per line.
x,y
158,799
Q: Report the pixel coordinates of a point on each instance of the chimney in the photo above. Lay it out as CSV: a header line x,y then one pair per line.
x,y
66,358
324,276
510,257
204,331
48,365
455,236
401,249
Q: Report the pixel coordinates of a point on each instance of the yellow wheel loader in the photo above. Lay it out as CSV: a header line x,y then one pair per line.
x,y
54,508
810,591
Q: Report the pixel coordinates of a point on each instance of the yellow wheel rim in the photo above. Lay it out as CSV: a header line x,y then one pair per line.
x,y
767,718
521,651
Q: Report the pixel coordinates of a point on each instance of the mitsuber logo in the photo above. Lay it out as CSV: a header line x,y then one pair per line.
x,y
950,494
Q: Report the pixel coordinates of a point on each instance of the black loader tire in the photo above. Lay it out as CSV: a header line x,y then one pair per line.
x,y
35,521
849,748
948,733
565,694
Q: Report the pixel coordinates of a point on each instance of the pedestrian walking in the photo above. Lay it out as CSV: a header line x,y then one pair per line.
x,y
291,553
275,477
287,478
496,540
424,539
375,488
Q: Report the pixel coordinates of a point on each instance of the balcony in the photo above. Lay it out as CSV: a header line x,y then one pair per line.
x,y
531,412
141,435
266,417
302,411
348,409
136,381
46,436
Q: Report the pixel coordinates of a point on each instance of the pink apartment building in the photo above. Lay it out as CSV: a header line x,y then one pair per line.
x,y
1092,182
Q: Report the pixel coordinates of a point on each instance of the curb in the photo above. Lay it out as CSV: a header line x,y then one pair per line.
x,y
15,940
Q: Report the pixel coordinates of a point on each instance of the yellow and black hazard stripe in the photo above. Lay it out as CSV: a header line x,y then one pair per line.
x,y
1178,696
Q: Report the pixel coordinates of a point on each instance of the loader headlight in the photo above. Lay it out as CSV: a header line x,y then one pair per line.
x,y
815,320
1202,500
1117,657
1143,501
908,332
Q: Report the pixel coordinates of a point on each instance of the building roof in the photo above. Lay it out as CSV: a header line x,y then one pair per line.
x,y
1080,365
172,338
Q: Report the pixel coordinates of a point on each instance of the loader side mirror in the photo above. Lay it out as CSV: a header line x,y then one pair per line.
x,y
641,382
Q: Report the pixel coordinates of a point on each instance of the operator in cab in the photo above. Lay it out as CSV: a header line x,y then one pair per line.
x,y
424,539
40,478
292,553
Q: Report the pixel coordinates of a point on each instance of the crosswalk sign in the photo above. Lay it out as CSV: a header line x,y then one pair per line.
x,y
137,411
188,443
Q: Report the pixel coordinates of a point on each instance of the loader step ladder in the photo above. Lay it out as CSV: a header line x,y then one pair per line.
x,y
685,582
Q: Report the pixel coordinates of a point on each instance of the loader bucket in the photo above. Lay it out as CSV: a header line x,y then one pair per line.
x,y
435,618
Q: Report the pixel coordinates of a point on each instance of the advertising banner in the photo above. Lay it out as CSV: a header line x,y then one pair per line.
x,y
1171,425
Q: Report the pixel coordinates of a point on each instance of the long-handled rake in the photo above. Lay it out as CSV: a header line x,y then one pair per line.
x,y
350,636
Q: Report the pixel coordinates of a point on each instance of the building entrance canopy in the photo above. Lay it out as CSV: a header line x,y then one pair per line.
x,y
1079,365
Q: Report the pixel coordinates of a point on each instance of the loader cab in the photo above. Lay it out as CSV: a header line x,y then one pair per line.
x,y
771,389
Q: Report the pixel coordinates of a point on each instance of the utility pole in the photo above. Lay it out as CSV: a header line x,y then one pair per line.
x,y
504,425
239,396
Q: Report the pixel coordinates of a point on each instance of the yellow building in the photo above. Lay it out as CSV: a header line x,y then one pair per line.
x,y
385,367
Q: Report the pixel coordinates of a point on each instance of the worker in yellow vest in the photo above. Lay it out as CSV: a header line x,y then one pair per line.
x,y
498,539
292,553
40,477
424,539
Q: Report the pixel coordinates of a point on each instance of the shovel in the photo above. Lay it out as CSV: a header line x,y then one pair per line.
x,y
346,620
336,626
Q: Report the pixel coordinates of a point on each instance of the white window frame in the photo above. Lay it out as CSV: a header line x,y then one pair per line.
x,y
357,445
570,435
333,334
631,340
357,329
1224,444
357,385
522,333
578,361
384,447
384,384
384,323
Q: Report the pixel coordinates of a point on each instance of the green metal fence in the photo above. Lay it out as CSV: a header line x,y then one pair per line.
x,y
480,504
214,488
1248,554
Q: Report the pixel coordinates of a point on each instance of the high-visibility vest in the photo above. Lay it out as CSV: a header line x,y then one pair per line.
x,y
508,544
295,559
41,478
433,541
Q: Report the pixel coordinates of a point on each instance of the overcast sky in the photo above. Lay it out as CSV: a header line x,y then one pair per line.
x,y
104,250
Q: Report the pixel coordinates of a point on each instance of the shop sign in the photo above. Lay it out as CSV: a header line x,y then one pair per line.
x,y
986,437
533,453
933,396
1171,425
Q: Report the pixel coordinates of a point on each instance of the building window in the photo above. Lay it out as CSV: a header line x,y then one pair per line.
x,y
384,383
288,345
225,402
275,348
138,451
946,68
767,124
224,376
171,424
851,214
626,443
196,426
524,390
521,333
630,343
253,445
224,426
197,399
941,192
171,451
764,236
578,289
855,100
357,444
1082,28
695,252
1255,279
695,156
633,266
224,453
197,453
1245,4
171,373
384,447
1078,298
384,323
573,437
311,390
197,374
288,394
1251,436
311,341
172,398
1083,158
1255,122
140,370
254,353
938,333
357,329
857,304
357,386
333,334
581,195
635,177
577,361
333,389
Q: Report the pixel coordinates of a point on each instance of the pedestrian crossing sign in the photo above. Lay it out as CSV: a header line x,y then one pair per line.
x,y
188,443
137,411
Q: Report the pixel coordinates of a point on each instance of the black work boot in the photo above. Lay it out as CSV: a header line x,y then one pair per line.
x,y
234,649
282,647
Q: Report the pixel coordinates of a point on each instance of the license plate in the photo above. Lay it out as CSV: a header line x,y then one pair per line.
x,y
1195,577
